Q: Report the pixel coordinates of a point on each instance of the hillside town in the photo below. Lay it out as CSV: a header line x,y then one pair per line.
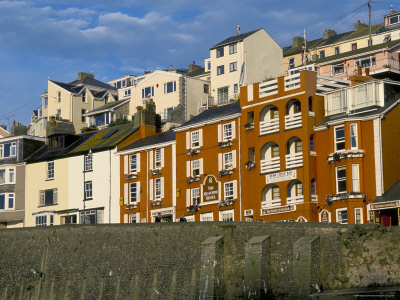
x,y
305,133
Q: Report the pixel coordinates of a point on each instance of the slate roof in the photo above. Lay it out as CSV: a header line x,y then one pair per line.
x,y
214,113
94,83
235,38
70,88
97,87
161,138
340,37
108,106
195,73
391,194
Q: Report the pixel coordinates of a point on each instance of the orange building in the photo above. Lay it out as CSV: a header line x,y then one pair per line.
x,y
357,162
148,180
208,169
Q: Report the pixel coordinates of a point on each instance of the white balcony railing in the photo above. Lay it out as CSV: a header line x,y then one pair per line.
x,y
270,165
269,126
293,121
294,160
268,88
295,200
292,82
271,203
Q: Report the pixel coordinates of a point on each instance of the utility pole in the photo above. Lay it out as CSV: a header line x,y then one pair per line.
x,y
370,26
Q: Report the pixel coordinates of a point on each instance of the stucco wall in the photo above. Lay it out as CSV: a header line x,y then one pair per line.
x,y
156,261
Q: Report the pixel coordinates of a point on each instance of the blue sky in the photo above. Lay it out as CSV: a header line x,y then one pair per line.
x,y
57,39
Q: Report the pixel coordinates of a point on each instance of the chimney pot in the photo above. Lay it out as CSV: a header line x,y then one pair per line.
x,y
359,71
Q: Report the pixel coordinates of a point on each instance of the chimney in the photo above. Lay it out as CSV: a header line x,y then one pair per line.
x,y
83,75
359,25
237,30
366,71
194,67
297,41
329,33
359,71
18,129
391,9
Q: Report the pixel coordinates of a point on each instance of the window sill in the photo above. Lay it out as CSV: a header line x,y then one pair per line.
x,y
46,205
87,171
88,199
49,179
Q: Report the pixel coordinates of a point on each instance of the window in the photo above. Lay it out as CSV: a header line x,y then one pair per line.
x,y
291,63
83,97
196,167
223,94
167,113
58,97
206,89
88,163
220,52
157,158
274,151
46,102
366,62
251,154
3,176
339,138
133,192
341,179
8,150
220,70
353,46
56,142
196,196
228,190
228,161
133,163
127,92
226,215
235,88
227,131
91,216
132,218
355,177
88,190
337,51
275,193
7,176
48,197
195,139
341,215
207,217
338,69
298,146
7,201
274,113
50,170
71,219
394,20
250,117
353,136
148,92
313,192
158,188
322,54
233,67
84,111
105,99
299,189
358,215
44,220
169,87
59,113
232,49
312,143
209,65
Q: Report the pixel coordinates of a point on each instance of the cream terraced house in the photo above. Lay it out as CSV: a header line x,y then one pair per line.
x,y
71,101
242,59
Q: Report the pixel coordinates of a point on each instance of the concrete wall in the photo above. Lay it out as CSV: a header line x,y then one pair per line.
x,y
195,260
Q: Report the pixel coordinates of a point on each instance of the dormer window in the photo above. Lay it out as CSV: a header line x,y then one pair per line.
x,y
56,142
393,20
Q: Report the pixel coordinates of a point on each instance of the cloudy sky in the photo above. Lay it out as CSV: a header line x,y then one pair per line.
x,y
57,39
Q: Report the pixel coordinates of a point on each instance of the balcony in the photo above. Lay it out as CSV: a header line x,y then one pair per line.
x,y
294,160
295,200
193,151
131,176
292,82
338,156
293,121
156,203
226,202
155,171
225,172
343,196
268,88
270,165
250,165
193,179
271,203
248,126
225,144
269,126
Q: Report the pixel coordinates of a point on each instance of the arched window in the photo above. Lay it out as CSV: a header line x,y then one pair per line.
x,y
295,192
269,120
293,107
271,196
270,158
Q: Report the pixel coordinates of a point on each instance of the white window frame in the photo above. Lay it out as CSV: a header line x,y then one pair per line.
x,y
230,192
173,83
144,96
46,219
355,177
353,136
227,131
88,163
88,190
7,198
195,198
229,213
159,188
233,66
337,215
8,172
134,196
196,166
341,179
42,197
372,62
133,163
50,170
233,48
228,160
158,158
337,65
207,217
195,139
360,211
340,140
13,150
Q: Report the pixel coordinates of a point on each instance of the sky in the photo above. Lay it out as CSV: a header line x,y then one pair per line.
x,y
54,39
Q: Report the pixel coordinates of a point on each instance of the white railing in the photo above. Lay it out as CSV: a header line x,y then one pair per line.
x,y
271,203
293,121
270,165
269,126
292,82
295,200
268,88
294,160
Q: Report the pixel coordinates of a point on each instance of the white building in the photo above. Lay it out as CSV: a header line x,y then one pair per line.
x,y
240,60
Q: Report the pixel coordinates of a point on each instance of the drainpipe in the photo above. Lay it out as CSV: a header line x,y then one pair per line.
x,y
240,172
147,187
109,195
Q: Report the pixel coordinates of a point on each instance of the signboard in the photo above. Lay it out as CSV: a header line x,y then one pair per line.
x,y
324,216
210,189
278,210
162,212
384,205
281,176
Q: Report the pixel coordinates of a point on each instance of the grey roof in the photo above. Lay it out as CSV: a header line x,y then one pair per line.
x,y
70,88
91,82
196,72
391,194
97,88
214,113
388,28
152,140
108,106
235,38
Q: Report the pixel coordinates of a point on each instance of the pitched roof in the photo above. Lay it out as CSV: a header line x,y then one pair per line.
x,y
235,38
392,194
4,133
213,114
197,72
156,139
108,106
93,84
70,88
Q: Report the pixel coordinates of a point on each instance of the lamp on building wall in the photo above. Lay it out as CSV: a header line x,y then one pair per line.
x,y
84,185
